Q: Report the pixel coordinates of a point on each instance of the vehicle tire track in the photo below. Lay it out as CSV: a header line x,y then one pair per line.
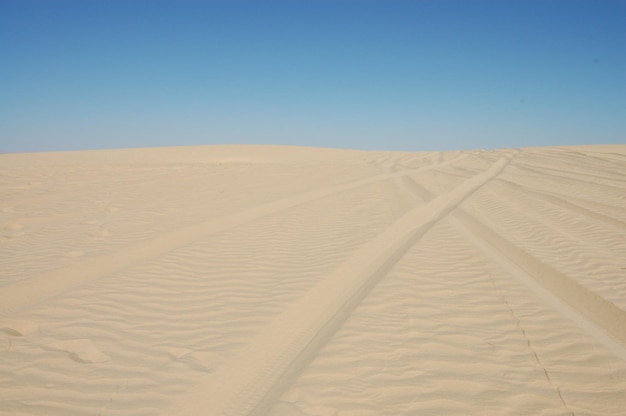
x,y
250,383
36,289
548,173
594,164
592,312
600,318
565,204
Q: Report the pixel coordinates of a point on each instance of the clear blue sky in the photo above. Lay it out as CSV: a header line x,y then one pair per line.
x,y
388,74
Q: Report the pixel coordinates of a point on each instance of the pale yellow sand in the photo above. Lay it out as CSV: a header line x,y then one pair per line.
x,y
253,280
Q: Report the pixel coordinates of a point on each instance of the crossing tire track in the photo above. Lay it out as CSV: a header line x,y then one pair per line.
x,y
31,291
600,318
250,383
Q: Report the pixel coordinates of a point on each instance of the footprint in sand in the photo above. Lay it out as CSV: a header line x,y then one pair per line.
x,y
80,350
74,254
197,360
18,328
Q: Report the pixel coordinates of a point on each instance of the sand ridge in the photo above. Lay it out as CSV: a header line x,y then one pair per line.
x,y
270,280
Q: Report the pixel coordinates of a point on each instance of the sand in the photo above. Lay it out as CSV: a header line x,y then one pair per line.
x,y
275,280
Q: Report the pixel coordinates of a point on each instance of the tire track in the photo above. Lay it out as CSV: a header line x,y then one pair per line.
x,y
543,171
600,318
597,164
31,291
572,190
170,321
564,173
250,383
531,182
436,336
560,202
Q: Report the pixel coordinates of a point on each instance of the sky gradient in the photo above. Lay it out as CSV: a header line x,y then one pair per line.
x,y
388,75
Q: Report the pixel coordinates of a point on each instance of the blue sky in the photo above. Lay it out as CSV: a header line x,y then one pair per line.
x,y
389,75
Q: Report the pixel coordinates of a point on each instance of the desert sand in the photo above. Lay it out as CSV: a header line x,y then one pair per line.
x,y
275,280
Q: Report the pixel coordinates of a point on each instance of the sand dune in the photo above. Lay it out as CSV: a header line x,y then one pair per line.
x,y
270,280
